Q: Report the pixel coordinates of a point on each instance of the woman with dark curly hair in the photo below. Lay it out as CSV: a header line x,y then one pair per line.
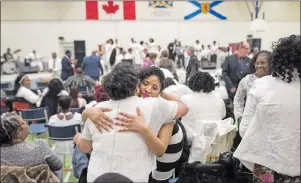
x,y
16,152
54,90
204,103
260,66
127,153
270,126
152,85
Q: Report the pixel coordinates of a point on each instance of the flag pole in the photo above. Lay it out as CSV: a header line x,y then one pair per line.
x,y
114,27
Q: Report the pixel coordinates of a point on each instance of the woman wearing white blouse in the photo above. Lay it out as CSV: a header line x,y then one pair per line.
x,y
65,118
260,63
152,46
270,126
22,85
126,153
108,48
204,103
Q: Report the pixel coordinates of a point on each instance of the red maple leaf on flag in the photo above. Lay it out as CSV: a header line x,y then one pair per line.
x,y
110,8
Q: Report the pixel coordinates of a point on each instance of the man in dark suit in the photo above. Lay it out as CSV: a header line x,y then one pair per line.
x,y
67,69
92,66
193,64
235,67
172,50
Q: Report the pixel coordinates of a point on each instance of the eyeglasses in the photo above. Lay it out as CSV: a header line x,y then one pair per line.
x,y
260,63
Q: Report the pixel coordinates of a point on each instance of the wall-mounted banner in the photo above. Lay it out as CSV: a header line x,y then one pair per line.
x,y
160,4
110,10
204,8
160,9
157,10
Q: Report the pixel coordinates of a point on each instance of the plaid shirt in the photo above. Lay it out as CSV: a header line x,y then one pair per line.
x,y
79,80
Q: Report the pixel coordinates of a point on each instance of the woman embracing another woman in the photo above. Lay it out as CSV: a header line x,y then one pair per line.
x,y
124,142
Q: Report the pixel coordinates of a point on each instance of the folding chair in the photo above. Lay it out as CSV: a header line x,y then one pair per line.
x,y
20,105
41,85
77,110
5,86
9,92
35,115
83,90
65,133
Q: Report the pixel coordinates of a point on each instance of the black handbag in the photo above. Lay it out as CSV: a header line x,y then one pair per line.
x,y
201,173
225,170
230,163
233,172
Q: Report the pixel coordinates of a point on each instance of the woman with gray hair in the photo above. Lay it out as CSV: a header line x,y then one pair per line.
x,y
14,149
168,64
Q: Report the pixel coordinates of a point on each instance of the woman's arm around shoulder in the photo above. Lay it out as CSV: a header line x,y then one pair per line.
x,y
169,104
98,117
157,145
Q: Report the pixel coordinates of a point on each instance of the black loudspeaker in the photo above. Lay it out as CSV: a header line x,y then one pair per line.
x,y
254,43
79,52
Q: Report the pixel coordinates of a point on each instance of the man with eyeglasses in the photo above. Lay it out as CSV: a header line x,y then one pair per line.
x,y
235,67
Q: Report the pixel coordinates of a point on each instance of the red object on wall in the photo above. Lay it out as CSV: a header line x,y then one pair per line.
x,y
112,8
129,10
92,10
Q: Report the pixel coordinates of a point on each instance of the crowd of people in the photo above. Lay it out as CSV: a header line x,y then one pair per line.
x,y
141,53
177,52
141,123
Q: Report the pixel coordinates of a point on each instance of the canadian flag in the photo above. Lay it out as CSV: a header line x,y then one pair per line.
x,y
110,10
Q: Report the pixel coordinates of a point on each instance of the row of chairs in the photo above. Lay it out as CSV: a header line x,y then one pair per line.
x,y
37,117
7,87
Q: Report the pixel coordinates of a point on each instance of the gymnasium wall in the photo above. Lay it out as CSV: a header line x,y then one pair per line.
x,y
37,25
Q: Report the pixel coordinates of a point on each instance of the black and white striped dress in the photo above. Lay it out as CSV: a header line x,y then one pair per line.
x,y
167,163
